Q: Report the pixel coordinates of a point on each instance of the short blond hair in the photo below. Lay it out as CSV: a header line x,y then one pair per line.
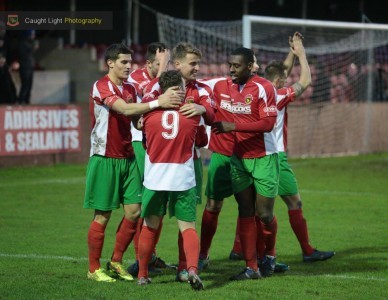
x,y
182,49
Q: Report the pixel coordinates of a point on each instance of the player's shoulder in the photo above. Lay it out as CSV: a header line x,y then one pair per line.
x,y
136,75
103,80
212,83
153,85
154,82
152,91
137,72
103,84
260,80
103,88
263,83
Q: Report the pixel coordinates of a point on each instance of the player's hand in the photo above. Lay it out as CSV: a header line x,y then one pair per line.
x,y
291,42
298,48
164,58
172,98
192,109
223,127
297,35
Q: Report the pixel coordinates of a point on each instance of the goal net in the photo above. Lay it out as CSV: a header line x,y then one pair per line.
x,y
215,40
343,111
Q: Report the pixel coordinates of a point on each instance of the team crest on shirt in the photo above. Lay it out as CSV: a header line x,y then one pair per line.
x,y
189,99
248,99
130,99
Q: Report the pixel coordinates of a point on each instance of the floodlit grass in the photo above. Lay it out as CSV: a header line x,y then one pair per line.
x,y
43,229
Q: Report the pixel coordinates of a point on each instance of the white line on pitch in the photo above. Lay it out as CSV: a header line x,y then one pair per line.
x,y
354,277
333,192
37,256
343,277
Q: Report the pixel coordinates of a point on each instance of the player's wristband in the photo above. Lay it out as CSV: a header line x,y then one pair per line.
x,y
154,104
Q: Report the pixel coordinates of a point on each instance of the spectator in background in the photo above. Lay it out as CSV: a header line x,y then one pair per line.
x,y
356,82
340,89
320,84
380,83
26,52
2,36
7,86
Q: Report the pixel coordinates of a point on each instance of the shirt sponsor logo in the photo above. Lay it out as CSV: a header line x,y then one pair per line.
x,y
238,108
270,109
226,105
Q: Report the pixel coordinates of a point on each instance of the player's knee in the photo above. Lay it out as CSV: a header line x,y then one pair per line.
x,y
246,211
293,205
266,217
214,206
102,217
133,214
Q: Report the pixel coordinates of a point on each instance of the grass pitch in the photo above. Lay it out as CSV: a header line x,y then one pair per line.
x,y
43,231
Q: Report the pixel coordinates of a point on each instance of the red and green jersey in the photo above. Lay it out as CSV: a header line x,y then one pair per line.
x,y
221,143
139,79
196,92
250,103
170,139
111,135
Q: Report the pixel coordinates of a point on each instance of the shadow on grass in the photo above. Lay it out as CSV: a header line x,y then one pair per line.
x,y
347,261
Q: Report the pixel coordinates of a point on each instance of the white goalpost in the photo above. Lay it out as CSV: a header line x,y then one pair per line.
x,y
250,20
349,65
345,109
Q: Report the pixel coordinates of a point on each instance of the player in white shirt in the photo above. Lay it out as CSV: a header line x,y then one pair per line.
x,y
277,73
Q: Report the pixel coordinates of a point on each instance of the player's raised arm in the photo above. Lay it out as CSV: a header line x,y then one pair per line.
x,y
164,59
291,57
305,73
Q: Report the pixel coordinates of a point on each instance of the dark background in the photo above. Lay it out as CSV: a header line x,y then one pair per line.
x,y
217,10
